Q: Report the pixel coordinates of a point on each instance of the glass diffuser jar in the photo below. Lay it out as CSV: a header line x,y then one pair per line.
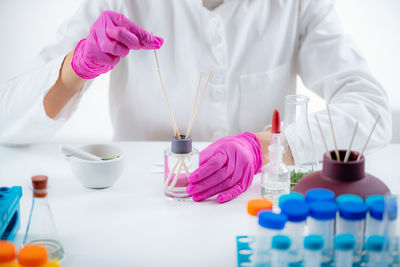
x,y
180,160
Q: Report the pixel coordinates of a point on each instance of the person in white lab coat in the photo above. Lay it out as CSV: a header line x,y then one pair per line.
x,y
255,47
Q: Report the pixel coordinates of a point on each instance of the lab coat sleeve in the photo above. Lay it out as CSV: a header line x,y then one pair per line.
x,y
330,65
22,115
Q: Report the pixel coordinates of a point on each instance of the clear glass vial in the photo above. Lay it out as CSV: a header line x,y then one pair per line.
x,y
180,160
41,229
275,176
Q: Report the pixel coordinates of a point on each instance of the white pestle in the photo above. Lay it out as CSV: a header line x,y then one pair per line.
x,y
79,153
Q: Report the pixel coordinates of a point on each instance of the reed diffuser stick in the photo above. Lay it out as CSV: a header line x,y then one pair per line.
x,y
369,137
346,157
195,103
198,105
171,115
171,173
333,133
172,185
323,137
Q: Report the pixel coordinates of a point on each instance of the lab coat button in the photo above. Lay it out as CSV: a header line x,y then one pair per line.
x,y
217,79
217,94
216,39
219,134
213,23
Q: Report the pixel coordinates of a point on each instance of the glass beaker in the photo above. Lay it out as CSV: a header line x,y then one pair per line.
x,y
180,160
41,229
297,134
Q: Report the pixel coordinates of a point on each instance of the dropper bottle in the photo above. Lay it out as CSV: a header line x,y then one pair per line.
x,y
275,175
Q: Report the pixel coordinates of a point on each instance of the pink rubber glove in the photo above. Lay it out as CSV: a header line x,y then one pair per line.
x,y
110,38
227,168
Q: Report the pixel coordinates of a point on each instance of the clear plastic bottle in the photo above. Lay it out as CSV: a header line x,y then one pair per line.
x,y
275,176
375,247
344,245
280,251
296,212
7,254
254,206
296,124
313,245
270,224
180,160
41,229
322,222
351,221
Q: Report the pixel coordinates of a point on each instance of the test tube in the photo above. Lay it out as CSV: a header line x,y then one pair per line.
x,y
291,195
351,221
390,221
375,247
322,222
374,220
270,224
254,206
319,194
296,212
313,245
344,245
280,250
347,198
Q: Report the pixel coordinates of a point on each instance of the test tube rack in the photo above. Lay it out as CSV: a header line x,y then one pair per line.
x,y
9,212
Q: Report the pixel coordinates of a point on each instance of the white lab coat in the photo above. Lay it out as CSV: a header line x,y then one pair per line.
x,y
255,47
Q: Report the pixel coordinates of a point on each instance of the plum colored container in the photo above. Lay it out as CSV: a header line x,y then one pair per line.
x,y
343,178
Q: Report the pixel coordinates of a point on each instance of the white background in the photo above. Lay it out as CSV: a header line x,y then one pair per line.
x,y
26,26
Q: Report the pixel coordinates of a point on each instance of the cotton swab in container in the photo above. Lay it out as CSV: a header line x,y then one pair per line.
x,y
323,137
333,133
346,157
369,137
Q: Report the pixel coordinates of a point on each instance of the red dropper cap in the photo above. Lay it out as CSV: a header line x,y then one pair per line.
x,y
276,122
39,185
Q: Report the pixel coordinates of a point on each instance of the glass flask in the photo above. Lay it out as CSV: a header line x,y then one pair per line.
x,y
296,124
41,229
180,160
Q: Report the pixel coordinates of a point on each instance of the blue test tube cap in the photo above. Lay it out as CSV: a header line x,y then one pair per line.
x,y
344,242
376,209
295,210
353,211
323,210
372,198
281,242
375,243
291,195
313,242
391,208
319,194
271,220
348,197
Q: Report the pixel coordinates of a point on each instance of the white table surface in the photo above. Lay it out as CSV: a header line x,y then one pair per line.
x,y
132,223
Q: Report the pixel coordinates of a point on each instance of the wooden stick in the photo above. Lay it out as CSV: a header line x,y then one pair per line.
x,y
323,137
171,173
369,136
198,105
185,168
171,115
346,157
172,185
333,133
194,104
